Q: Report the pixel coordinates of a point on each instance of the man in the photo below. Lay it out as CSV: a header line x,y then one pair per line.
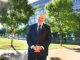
x,y
38,39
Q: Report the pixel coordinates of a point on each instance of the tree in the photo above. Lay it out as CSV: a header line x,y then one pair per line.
x,y
76,24
59,10
16,13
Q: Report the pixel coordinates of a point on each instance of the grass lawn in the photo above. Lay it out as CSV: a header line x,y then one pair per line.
x,y
5,44
18,44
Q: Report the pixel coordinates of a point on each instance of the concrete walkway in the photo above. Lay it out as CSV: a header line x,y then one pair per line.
x,y
64,54
56,54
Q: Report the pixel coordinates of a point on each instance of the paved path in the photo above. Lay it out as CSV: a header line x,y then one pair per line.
x,y
56,54
64,54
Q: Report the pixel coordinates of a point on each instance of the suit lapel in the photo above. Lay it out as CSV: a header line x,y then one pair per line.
x,y
36,28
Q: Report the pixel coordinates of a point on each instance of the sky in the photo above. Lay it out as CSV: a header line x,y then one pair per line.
x,y
1,26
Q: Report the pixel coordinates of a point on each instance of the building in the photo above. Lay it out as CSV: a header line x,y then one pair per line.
x,y
76,5
41,3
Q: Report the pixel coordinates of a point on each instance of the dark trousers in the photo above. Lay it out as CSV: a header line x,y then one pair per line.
x,y
36,57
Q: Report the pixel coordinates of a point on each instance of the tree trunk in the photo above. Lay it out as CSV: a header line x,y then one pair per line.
x,y
12,37
61,36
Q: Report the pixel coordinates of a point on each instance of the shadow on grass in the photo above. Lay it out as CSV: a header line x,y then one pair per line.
x,y
66,43
76,49
55,58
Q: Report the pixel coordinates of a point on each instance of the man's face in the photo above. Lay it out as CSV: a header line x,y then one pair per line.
x,y
41,18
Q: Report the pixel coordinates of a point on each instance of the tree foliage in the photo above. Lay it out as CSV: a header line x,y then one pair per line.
x,y
16,13
59,11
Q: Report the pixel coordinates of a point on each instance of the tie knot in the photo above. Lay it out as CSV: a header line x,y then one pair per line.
x,y
39,26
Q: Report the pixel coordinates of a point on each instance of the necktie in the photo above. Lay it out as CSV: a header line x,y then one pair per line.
x,y
39,28
38,32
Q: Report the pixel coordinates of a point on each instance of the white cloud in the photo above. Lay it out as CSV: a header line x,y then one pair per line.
x,y
31,1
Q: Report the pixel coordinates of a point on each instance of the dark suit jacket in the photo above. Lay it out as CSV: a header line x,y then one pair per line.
x,y
41,39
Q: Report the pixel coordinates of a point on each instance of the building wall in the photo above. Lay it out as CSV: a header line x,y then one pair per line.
x,y
76,5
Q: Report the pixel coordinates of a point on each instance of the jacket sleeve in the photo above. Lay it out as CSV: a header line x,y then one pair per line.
x,y
29,42
47,42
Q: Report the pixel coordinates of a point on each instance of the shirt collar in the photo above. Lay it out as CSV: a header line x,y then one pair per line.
x,y
41,25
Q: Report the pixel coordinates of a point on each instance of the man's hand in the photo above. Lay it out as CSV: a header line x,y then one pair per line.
x,y
37,48
34,48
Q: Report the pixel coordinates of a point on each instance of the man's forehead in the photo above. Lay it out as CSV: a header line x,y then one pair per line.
x,y
42,15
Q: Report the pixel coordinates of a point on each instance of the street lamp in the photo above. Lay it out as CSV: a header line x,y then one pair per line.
x,y
3,4
4,0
